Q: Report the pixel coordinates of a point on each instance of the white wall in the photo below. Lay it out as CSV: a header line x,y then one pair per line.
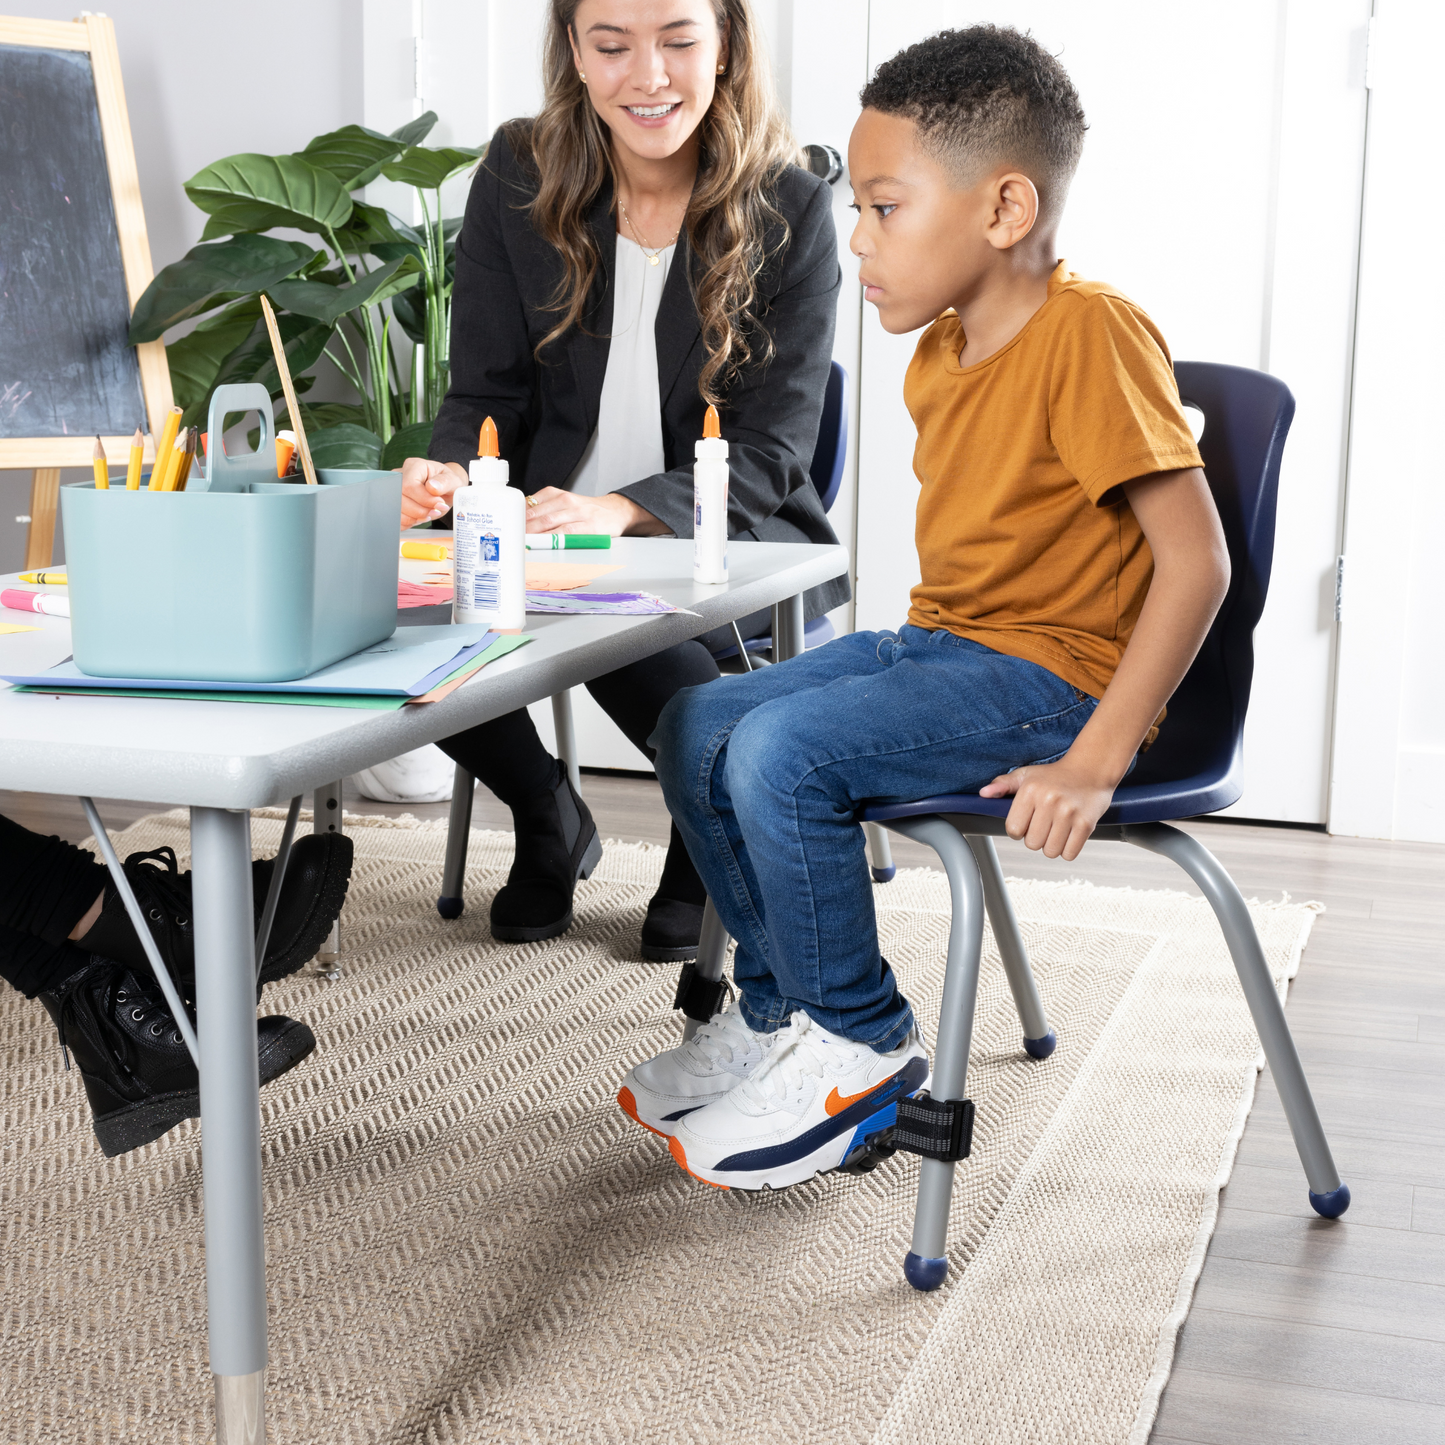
x,y
202,81
1219,188
1389,753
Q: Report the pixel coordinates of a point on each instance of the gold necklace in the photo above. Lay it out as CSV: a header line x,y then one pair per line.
x,y
654,258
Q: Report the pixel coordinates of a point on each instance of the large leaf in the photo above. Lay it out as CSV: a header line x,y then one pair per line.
x,y
251,192
330,303
408,441
302,340
374,226
353,154
196,360
345,446
421,166
409,308
210,272
414,132
317,416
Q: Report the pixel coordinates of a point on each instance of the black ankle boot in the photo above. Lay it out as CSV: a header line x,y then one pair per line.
x,y
137,1070
312,893
557,844
673,924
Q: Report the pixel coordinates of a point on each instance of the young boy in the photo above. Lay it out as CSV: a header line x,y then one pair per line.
x,y
1072,562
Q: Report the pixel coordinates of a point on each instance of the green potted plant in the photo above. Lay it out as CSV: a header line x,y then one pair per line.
x,y
330,298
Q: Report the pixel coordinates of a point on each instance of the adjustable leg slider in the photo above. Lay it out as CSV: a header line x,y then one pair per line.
x,y
698,997
935,1128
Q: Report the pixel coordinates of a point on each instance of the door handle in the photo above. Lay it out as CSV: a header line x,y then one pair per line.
x,y
824,161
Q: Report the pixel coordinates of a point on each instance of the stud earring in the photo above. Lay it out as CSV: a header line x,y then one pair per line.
x,y
582,76
722,70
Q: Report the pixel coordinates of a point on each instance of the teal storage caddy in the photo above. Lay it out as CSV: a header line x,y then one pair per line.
x,y
240,578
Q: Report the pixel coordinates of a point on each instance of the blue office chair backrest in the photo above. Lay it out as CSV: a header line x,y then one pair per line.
x,y
832,447
1247,416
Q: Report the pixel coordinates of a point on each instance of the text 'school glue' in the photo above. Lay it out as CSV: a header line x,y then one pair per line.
x,y
488,556
710,504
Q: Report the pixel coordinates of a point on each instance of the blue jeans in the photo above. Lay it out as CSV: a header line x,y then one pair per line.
x,y
764,774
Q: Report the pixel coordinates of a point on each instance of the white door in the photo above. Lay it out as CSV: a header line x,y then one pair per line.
x,y
1220,188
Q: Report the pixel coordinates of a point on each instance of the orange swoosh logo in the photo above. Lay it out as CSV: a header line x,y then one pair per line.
x,y
835,1103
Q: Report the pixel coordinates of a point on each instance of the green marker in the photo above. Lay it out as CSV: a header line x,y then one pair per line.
x,y
564,541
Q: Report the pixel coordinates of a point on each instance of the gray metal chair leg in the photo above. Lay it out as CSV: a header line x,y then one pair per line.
x,y
326,817
1039,1039
712,953
1328,1195
926,1264
566,731
230,1118
880,855
459,826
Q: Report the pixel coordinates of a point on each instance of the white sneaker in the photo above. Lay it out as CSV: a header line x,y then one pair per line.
x,y
816,1099
718,1057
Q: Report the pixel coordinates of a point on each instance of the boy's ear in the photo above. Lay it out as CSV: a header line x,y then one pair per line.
x,y
1014,206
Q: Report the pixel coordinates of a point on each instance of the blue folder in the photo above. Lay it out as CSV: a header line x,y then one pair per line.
x,y
410,662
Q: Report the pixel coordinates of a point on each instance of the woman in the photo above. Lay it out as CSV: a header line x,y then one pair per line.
x,y
644,246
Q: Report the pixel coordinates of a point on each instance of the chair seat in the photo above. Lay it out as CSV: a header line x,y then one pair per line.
x,y
815,634
1205,792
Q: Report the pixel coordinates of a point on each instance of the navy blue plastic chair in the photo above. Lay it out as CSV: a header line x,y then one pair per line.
x,y
1192,768
829,454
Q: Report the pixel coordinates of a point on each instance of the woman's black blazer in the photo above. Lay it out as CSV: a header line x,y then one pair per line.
x,y
546,411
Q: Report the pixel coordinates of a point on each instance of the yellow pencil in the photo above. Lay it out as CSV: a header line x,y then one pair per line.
x,y
100,467
162,463
137,457
173,463
183,467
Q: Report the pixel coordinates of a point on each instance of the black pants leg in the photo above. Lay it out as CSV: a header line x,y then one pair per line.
x,y
46,887
508,756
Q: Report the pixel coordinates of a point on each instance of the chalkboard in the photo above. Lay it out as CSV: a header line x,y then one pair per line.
x,y
74,258
65,367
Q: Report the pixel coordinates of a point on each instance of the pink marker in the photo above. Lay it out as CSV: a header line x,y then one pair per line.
x,y
50,603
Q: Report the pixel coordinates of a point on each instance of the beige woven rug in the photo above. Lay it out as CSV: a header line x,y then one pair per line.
x,y
469,1242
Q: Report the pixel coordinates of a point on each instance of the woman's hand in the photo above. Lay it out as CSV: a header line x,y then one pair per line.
x,y
426,489
612,515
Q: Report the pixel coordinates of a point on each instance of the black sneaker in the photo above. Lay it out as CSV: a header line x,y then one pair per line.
x,y
312,893
138,1073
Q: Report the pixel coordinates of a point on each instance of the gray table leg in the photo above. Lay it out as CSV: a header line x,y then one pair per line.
x,y
566,736
787,628
459,824
230,1119
326,818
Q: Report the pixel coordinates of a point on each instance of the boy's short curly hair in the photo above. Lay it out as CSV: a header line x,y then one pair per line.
x,y
987,96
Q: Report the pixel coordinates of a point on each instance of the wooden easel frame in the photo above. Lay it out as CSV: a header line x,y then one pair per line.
x,y
94,34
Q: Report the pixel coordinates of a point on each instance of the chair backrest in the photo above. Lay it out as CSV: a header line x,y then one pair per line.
x,y
832,448
1247,416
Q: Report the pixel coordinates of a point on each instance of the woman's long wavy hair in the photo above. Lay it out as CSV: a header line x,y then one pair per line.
x,y
745,141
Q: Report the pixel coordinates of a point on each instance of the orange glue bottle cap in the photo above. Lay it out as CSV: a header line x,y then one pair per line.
x,y
711,447
711,426
487,443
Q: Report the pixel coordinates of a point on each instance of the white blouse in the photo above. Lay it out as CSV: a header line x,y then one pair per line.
x,y
627,445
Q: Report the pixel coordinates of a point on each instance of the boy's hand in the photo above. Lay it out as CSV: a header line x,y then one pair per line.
x,y
1055,807
426,489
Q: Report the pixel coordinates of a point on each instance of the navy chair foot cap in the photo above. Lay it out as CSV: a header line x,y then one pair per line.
x,y
450,907
1333,1204
883,875
1041,1048
924,1274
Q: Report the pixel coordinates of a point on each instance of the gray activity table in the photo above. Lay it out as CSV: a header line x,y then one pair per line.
x,y
223,759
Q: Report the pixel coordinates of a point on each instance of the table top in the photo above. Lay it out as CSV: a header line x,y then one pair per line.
x,y
250,755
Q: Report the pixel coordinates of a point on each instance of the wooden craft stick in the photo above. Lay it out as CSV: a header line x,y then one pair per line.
x,y
292,409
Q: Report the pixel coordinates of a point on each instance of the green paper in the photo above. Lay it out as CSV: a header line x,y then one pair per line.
x,y
500,648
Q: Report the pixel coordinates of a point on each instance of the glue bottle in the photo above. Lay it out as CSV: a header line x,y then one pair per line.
x,y
489,524
710,503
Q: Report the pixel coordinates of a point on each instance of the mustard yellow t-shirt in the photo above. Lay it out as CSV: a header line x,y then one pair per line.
x,y
1026,542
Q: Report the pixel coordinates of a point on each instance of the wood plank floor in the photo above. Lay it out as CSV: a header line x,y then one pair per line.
x,y
1302,1329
